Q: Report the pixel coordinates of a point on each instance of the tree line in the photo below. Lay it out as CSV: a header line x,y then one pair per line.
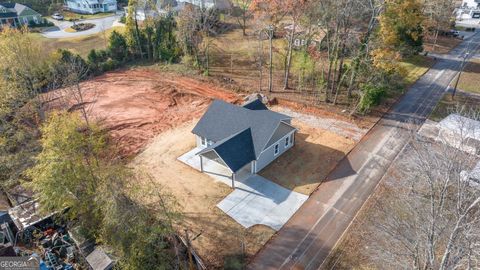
x,y
356,62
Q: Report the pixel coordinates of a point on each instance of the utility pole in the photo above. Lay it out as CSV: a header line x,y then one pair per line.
x,y
260,58
270,36
462,66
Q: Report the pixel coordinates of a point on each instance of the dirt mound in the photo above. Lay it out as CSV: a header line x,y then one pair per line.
x,y
136,105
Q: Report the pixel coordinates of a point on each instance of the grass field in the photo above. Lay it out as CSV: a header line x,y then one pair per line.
x,y
469,80
462,102
81,45
466,99
416,66
70,16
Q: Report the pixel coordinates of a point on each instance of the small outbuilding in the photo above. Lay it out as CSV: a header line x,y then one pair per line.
x,y
99,260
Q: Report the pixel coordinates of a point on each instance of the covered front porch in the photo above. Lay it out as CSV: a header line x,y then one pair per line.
x,y
212,165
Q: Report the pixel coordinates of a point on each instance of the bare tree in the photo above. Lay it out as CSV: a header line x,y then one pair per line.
x,y
72,72
430,218
196,26
243,13
295,9
439,16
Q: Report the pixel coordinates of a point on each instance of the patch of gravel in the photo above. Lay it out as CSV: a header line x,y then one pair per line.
x,y
339,127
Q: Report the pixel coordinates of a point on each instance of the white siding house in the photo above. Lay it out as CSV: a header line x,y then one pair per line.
x,y
217,4
274,151
91,6
243,138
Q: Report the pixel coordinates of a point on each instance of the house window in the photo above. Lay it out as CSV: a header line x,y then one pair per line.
x,y
25,20
287,141
204,141
292,137
276,150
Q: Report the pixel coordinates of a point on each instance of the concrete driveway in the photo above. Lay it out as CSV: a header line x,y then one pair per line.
x,y
255,200
101,24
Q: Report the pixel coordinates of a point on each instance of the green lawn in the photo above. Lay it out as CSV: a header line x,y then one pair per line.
x,y
81,45
462,102
470,78
415,67
70,16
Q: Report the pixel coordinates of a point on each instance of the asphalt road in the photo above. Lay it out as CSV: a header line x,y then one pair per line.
x,y
308,237
101,24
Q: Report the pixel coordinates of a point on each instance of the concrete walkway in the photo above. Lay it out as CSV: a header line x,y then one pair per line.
x,y
255,199
101,24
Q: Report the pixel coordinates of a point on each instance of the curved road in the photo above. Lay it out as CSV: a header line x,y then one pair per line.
x,y
101,24
311,234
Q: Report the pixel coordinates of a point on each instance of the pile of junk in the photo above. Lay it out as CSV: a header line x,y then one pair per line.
x,y
25,232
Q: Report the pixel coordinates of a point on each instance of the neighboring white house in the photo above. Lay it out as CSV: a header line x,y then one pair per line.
x,y
218,4
470,4
243,138
469,9
156,8
91,6
16,15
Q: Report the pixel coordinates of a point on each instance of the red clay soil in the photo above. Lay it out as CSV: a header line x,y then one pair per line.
x,y
136,105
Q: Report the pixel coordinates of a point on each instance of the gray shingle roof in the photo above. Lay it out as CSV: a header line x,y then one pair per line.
x,y
223,120
236,151
14,9
240,133
255,105
7,5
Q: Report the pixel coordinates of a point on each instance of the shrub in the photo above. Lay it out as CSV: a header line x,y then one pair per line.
x,y
93,60
372,95
42,23
109,65
117,47
82,26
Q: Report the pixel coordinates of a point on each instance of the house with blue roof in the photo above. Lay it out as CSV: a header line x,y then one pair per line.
x,y
91,6
243,138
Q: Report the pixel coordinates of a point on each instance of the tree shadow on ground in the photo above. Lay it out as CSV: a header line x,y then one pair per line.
x,y
303,167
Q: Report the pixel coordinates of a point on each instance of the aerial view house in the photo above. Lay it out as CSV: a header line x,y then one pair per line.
x,y
157,8
243,138
217,4
91,6
15,15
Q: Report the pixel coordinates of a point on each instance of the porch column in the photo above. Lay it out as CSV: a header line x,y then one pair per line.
x,y
201,163
233,180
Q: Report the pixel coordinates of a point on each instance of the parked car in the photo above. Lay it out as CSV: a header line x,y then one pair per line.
x,y
57,16
454,33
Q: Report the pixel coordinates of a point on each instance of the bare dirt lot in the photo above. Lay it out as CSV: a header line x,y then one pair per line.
x,y
217,236
302,168
135,105
152,113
